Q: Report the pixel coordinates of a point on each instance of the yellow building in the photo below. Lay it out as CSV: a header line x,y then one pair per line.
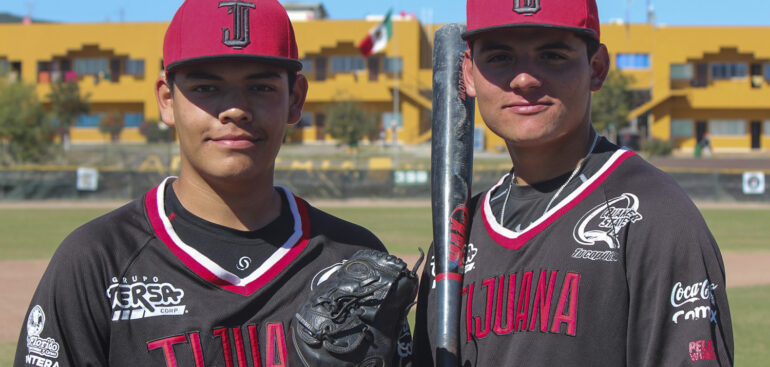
x,y
702,80
117,65
690,80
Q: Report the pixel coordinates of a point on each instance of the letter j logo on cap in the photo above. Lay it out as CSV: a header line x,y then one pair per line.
x,y
526,7
240,33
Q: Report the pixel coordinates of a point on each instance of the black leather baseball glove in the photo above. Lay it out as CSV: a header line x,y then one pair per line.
x,y
356,316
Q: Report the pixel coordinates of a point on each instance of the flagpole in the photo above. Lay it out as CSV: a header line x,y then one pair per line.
x,y
396,93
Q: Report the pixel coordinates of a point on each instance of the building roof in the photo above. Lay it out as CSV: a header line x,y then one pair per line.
x,y
305,10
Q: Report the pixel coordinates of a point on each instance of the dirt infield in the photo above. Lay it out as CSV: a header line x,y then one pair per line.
x,y
18,280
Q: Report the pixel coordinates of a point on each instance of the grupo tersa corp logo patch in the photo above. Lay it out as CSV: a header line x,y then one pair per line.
x,y
139,297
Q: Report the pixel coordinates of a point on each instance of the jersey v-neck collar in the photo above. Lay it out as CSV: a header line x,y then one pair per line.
x,y
515,240
210,270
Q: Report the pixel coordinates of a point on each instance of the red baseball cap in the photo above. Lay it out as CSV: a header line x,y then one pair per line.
x,y
206,30
579,16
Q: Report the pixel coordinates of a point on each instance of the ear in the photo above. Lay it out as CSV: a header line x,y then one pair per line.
x,y
470,86
600,66
297,99
165,98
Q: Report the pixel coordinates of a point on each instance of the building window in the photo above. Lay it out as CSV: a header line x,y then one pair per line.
x,y
347,64
91,66
135,67
728,70
727,127
393,65
767,72
766,127
133,119
306,120
91,120
681,128
307,65
632,61
681,71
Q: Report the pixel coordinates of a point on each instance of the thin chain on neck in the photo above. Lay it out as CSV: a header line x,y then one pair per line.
x,y
577,169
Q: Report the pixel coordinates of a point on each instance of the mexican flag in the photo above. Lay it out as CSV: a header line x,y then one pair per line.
x,y
377,38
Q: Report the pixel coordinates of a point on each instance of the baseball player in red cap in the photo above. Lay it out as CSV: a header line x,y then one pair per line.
x,y
208,268
583,254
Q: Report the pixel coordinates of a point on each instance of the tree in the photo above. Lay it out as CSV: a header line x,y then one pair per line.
x,y
612,104
25,130
112,123
349,123
156,131
67,105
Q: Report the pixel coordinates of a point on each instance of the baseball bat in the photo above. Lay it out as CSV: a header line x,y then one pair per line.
x,y
451,170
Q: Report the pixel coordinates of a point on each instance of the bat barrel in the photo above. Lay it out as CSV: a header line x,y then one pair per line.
x,y
451,172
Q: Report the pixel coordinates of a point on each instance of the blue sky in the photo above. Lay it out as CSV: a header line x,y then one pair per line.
x,y
670,12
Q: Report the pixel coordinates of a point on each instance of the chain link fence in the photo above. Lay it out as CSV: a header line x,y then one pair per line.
x,y
333,184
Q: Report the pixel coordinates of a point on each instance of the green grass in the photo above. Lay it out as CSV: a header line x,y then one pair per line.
x,y
751,322
740,230
7,351
402,230
35,233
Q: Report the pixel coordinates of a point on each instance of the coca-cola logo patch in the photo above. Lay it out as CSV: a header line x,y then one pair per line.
x,y
693,301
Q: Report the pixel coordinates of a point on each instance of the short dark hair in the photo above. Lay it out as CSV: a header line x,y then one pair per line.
x,y
592,45
292,76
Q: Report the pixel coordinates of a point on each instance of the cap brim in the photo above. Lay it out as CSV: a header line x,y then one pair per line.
x,y
472,35
290,64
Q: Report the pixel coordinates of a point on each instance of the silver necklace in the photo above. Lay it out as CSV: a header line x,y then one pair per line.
x,y
577,169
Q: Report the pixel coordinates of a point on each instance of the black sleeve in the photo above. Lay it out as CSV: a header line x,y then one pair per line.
x,y
68,318
678,311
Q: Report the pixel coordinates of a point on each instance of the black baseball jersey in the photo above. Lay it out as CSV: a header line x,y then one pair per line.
x,y
125,290
621,271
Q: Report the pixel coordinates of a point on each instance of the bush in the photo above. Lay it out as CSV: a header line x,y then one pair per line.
x,y
112,123
156,132
26,133
349,123
657,147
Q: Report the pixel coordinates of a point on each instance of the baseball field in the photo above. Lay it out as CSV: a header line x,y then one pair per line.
x,y
30,232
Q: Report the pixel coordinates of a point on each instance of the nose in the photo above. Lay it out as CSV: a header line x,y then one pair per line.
x,y
525,76
525,81
237,109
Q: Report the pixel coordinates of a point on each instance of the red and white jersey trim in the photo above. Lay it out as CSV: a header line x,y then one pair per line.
x,y
515,240
211,271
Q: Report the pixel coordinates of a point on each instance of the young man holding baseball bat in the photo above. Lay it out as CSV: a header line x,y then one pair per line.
x,y
583,254
212,268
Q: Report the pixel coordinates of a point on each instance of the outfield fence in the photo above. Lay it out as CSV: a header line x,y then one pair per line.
x,y
50,184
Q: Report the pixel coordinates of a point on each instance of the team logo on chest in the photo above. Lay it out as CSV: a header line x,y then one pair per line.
x,y
239,37
603,224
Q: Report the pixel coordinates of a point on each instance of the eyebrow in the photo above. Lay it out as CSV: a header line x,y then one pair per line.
x,y
202,75
555,45
494,47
